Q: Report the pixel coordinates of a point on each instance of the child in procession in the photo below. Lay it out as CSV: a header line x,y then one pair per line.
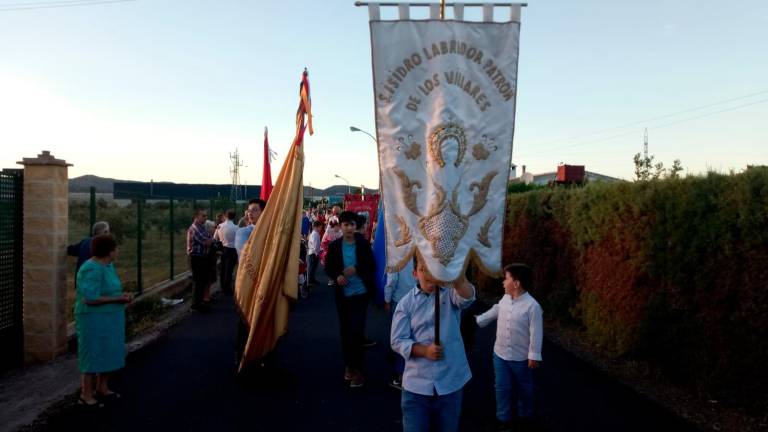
x,y
350,266
313,250
435,371
517,351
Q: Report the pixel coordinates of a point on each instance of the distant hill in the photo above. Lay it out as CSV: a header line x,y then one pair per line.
x,y
102,184
106,185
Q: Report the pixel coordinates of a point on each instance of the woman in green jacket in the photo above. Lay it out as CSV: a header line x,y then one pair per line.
x,y
100,320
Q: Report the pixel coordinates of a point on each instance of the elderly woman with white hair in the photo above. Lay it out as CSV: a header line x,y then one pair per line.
x,y
82,249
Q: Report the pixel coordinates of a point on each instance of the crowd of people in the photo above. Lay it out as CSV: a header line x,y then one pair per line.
x,y
430,371
207,240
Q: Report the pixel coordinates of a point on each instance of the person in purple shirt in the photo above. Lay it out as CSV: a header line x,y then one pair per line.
x,y
435,373
198,242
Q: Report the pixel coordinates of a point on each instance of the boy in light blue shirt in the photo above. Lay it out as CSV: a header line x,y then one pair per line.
x,y
435,374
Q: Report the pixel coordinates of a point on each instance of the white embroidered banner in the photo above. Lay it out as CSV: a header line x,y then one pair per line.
x,y
445,113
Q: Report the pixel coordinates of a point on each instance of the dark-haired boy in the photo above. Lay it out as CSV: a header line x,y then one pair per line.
x,y
435,373
350,265
517,351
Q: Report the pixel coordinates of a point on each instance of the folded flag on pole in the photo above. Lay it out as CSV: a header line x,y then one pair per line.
x,y
267,276
266,176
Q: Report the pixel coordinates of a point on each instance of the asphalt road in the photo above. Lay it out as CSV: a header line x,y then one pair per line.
x,y
186,382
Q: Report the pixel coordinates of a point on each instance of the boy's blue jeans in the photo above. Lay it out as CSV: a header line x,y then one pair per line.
x,y
513,381
424,413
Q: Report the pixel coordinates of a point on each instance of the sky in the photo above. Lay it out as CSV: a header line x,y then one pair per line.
x,y
166,90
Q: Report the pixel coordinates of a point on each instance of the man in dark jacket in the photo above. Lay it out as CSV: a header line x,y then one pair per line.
x,y
82,250
350,265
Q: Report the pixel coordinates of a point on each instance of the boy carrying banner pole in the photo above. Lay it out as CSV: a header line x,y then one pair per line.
x,y
436,367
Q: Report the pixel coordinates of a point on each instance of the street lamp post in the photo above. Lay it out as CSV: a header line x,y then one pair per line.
x,y
355,129
349,188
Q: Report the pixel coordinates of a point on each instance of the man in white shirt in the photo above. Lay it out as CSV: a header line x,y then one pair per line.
x,y
313,250
517,351
225,233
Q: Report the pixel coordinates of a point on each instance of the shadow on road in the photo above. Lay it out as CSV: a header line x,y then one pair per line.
x,y
186,382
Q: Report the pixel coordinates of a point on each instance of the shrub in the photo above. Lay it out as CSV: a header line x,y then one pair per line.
x,y
672,271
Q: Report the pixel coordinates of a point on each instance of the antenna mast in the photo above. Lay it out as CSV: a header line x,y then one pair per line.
x,y
645,145
235,193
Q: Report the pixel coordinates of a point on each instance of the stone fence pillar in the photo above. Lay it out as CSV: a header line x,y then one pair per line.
x,y
46,219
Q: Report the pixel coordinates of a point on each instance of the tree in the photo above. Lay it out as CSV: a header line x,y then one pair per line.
x,y
645,169
677,167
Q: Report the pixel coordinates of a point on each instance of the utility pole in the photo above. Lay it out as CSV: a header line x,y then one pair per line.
x,y
645,145
234,171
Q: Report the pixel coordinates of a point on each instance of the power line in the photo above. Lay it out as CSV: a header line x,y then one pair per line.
x,y
711,113
636,123
632,132
57,4
42,3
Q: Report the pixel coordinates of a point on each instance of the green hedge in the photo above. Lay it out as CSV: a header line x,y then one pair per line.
x,y
674,272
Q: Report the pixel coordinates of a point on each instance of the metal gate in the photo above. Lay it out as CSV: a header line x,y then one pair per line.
x,y
11,220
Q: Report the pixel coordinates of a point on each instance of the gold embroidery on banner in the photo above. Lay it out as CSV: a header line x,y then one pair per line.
x,y
409,197
443,224
438,137
414,152
481,196
405,233
479,152
482,237
438,203
443,227
250,269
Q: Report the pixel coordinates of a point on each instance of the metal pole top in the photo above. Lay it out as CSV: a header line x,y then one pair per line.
x,y
422,4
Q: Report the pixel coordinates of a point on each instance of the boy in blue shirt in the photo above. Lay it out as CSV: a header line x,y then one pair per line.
x,y
434,374
350,265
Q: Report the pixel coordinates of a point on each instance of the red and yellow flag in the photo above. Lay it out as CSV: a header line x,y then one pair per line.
x,y
267,276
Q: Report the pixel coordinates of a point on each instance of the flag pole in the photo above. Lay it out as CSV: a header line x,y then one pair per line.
x,y
437,290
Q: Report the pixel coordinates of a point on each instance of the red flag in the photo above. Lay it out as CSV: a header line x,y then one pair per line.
x,y
266,177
